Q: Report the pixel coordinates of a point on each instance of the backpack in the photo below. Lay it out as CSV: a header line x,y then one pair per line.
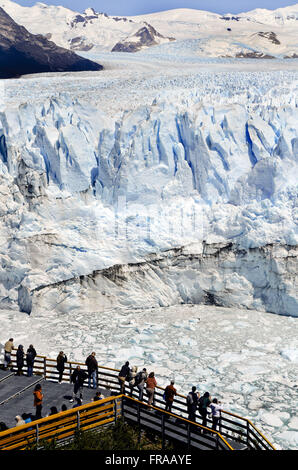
x,y
138,378
189,399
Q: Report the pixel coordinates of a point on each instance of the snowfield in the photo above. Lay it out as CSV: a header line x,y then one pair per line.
x,y
131,194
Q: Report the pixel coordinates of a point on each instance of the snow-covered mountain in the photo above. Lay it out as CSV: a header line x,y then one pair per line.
x,y
78,31
255,34
145,37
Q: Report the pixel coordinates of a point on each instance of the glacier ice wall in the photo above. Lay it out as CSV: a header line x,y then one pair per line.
x,y
83,189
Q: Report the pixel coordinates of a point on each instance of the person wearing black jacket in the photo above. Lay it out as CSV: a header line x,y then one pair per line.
x,y
123,375
78,377
204,402
30,356
192,404
92,366
20,359
61,360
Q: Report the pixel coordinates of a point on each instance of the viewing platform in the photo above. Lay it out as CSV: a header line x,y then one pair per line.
x,y
16,398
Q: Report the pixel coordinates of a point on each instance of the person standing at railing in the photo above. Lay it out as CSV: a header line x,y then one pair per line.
x,y
123,375
132,379
8,347
215,410
192,403
140,380
170,392
78,377
38,398
30,356
20,359
61,360
92,367
204,403
150,387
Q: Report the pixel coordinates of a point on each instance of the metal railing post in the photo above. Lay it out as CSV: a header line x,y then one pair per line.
x,y
116,409
70,369
45,367
220,423
78,421
188,436
163,431
139,422
37,434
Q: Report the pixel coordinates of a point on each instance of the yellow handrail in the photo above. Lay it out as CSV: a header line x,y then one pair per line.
x,y
49,430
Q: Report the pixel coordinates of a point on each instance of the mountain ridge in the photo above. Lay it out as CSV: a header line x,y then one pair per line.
x,y
227,35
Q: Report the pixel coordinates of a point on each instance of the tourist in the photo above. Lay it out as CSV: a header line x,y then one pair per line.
x,y
38,397
123,375
204,402
131,379
97,396
150,387
169,394
92,366
8,347
140,381
26,418
61,360
30,356
78,377
3,426
63,407
216,412
20,360
78,402
53,411
19,421
192,403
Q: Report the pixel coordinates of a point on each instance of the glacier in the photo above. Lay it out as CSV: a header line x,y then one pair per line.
x,y
149,212
105,170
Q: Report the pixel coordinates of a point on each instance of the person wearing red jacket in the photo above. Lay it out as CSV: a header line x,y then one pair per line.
x,y
38,397
150,387
170,392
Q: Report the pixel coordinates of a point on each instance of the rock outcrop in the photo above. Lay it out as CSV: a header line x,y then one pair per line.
x,y
24,53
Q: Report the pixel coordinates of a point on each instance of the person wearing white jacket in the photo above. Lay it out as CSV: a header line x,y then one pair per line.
x,y
131,379
215,410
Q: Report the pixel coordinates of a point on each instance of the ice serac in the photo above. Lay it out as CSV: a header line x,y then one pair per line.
x,y
24,53
94,203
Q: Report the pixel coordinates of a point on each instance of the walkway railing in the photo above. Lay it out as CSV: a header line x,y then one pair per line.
x,y
231,426
63,426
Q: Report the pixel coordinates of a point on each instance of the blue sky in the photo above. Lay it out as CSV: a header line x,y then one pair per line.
x,y
137,7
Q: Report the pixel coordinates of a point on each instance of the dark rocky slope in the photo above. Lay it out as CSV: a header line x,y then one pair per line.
x,y
24,53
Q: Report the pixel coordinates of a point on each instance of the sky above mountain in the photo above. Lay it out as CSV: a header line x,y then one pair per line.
x,y
138,7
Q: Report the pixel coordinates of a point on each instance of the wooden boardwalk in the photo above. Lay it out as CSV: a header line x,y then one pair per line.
x,y
16,398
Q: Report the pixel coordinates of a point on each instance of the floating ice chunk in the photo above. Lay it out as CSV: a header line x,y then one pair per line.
x,y
293,424
290,354
290,438
270,419
184,341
